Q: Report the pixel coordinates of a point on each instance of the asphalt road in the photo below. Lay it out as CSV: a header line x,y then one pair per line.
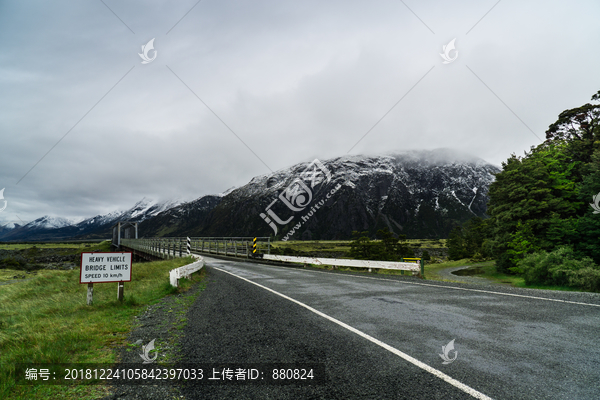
x,y
379,337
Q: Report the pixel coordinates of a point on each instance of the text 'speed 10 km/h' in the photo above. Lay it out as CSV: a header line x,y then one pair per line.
x,y
105,267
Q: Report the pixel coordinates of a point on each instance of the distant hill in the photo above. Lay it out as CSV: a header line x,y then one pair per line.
x,y
98,227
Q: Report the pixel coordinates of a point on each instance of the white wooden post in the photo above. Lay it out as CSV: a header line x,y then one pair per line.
x,y
90,294
120,290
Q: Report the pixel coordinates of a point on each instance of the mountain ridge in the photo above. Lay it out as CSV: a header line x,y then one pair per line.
x,y
441,188
421,194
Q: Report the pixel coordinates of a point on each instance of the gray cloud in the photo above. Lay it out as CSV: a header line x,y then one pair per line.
x,y
294,80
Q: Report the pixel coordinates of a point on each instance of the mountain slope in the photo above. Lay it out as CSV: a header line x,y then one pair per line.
x,y
98,227
185,219
420,194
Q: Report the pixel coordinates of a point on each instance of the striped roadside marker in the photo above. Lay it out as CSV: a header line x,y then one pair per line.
x,y
254,247
189,246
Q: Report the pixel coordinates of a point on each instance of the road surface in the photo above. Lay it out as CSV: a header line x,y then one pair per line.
x,y
379,337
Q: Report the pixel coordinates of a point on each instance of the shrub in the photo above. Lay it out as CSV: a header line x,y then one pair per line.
x,y
559,267
586,278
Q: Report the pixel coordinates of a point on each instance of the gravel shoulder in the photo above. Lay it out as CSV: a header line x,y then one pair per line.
x,y
165,322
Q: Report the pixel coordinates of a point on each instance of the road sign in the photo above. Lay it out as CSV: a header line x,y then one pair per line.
x,y
105,267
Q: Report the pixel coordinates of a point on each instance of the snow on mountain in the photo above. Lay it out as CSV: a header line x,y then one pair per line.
x,y
421,194
48,228
9,225
418,193
225,193
48,222
147,208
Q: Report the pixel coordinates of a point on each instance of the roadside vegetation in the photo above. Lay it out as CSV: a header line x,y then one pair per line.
x,y
342,248
486,270
80,246
45,319
552,271
543,207
387,248
33,257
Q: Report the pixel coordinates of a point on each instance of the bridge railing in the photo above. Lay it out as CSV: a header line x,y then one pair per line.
x,y
243,247
178,246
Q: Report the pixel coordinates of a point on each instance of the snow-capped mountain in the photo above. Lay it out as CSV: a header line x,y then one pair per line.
x,y
420,194
48,222
182,219
142,210
55,228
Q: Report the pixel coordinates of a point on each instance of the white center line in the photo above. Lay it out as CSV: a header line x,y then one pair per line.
x,y
467,389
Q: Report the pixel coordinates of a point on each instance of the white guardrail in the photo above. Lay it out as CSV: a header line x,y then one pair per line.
x,y
171,248
185,271
406,266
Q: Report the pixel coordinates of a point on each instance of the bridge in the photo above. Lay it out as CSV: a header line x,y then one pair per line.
x,y
255,248
171,247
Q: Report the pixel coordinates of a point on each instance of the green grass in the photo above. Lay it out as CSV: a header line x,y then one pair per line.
x,y
80,246
314,245
427,243
46,320
62,249
489,272
431,270
9,274
344,245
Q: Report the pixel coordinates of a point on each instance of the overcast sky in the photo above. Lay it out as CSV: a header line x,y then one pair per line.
x,y
240,88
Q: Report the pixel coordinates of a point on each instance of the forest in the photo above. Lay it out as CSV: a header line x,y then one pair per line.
x,y
543,211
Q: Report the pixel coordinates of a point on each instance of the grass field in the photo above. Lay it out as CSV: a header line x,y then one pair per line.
x,y
63,249
344,245
489,272
70,245
45,319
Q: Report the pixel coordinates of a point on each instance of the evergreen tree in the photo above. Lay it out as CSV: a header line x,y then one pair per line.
x,y
537,190
388,248
467,241
541,201
455,244
587,229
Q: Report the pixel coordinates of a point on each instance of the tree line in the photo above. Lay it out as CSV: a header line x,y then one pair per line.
x,y
544,213
387,248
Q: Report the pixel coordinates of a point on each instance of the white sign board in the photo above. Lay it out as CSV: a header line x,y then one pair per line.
x,y
105,267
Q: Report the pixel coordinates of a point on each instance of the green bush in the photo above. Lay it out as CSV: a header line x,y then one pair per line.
x,y
559,267
387,248
586,279
12,263
426,256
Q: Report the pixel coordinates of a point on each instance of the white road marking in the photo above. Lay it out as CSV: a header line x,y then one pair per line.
x,y
452,287
467,389
473,290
